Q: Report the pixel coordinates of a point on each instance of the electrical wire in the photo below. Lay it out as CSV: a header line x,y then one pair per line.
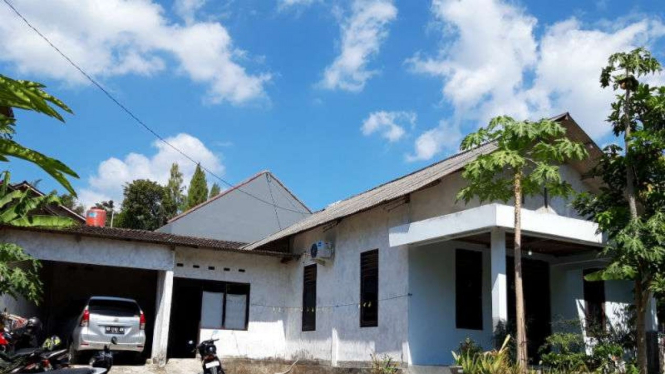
x,y
136,118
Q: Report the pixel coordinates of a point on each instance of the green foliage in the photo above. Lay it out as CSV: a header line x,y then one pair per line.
x,y
174,198
214,190
69,201
18,207
19,273
468,347
29,95
142,207
534,149
198,188
491,362
564,351
383,365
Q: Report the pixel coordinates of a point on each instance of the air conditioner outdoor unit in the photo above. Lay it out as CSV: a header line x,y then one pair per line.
x,y
321,250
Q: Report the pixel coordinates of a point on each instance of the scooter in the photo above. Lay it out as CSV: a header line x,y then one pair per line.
x,y
208,351
35,360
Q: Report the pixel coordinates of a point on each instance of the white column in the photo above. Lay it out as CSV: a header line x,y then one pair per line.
x,y
160,338
498,276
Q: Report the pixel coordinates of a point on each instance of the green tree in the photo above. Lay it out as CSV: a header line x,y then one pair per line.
x,y
174,197
214,190
525,163
68,200
19,271
28,95
198,188
142,207
630,207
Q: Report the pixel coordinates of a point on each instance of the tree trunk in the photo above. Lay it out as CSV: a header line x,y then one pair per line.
x,y
641,340
640,287
630,180
522,354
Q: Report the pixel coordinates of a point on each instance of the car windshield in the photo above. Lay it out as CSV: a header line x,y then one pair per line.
x,y
117,308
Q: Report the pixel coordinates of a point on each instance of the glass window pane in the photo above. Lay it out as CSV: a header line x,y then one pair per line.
x,y
211,310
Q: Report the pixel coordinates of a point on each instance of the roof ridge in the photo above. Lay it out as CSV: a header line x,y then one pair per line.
x,y
223,193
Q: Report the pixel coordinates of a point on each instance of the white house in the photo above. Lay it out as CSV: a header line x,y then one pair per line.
x,y
411,273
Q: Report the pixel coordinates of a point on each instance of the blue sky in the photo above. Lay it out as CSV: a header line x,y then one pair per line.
x,y
334,97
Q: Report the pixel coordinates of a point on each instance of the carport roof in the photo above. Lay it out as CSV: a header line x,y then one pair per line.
x,y
146,236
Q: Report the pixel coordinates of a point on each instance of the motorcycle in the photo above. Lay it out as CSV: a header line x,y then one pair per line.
x,y
208,351
35,360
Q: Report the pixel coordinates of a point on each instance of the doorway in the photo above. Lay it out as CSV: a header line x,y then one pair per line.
x,y
536,287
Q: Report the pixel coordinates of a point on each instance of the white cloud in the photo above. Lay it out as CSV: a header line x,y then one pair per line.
x,y
187,8
110,38
113,173
492,63
445,136
389,124
286,4
363,32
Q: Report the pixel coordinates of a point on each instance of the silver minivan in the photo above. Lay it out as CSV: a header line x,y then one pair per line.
x,y
103,318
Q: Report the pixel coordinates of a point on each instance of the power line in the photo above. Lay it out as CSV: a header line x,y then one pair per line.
x,y
138,120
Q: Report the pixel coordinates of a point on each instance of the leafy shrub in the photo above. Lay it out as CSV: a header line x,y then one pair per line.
x,y
469,347
496,361
383,365
564,351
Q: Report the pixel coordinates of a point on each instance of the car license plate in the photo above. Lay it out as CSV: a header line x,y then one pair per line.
x,y
115,330
212,364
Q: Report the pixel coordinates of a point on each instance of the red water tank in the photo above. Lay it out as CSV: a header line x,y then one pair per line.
x,y
95,217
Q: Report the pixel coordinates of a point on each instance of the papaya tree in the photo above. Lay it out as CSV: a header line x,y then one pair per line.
x,y
630,208
525,163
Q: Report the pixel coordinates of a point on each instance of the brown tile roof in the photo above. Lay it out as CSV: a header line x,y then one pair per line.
x,y
145,236
419,179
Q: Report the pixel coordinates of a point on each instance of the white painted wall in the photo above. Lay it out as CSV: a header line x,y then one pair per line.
x,y
268,279
89,250
567,290
432,328
338,338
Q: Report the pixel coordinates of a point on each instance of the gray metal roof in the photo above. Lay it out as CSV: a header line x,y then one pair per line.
x,y
379,195
421,178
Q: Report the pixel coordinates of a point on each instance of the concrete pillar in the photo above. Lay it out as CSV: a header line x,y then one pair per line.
x,y
160,338
498,276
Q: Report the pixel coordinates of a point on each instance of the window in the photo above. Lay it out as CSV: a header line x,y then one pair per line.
x,y
594,300
225,306
309,299
369,288
468,289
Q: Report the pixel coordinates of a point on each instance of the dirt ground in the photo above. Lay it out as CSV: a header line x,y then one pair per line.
x,y
174,366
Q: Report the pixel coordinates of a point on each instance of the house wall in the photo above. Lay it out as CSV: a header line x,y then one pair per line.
x,y
236,216
90,250
567,290
432,327
339,339
416,330
269,280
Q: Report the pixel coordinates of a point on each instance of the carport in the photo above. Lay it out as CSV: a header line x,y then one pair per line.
x,y
83,261
68,285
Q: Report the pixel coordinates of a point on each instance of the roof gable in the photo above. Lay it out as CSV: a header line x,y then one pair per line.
x,y
422,178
